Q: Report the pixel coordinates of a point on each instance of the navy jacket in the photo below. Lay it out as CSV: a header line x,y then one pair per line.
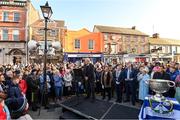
x,y
133,74
15,98
120,78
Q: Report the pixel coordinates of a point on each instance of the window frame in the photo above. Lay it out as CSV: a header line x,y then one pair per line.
x,y
143,39
105,36
91,44
16,17
16,35
135,38
77,43
142,49
4,20
40,32
3,34
127,38
53,33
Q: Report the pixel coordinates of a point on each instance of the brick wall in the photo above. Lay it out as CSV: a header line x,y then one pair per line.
x,y
10,24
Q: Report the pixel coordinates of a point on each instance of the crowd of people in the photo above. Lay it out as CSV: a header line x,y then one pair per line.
x,y
24,87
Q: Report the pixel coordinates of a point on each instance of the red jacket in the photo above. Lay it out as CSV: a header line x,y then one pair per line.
x,y
2,113
23,86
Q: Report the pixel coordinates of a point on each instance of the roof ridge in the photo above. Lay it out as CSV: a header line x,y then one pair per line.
x,y
112,26
120,30
165,38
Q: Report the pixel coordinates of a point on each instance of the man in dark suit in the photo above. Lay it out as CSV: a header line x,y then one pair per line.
x,y
89,73
118,80
130,80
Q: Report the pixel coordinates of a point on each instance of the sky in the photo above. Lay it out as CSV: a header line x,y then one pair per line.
x,y
149,16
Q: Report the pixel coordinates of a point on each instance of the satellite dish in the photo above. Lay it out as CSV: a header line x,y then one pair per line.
x,y
32,44
56,45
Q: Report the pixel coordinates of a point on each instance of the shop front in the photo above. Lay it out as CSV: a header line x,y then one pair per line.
x,y
113,58
136,58
161,57
73,57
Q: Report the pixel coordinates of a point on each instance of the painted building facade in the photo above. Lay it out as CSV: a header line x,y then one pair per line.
x,y
123,44
81,44
164,49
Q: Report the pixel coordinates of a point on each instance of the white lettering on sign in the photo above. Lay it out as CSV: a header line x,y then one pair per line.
x,y
84,55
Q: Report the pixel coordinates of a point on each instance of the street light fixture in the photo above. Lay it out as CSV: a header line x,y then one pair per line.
x,y
47,13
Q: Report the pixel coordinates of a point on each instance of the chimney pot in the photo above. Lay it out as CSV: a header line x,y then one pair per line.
x,y
156,35
133,27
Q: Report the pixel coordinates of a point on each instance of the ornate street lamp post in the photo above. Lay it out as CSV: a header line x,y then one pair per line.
x,y
47,13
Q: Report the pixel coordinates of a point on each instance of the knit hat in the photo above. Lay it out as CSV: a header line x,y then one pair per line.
x,y
18,107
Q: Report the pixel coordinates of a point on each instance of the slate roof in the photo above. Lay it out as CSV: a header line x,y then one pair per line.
x,y
110,29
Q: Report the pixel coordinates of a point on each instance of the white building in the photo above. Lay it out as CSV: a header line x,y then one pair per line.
x,y
164,49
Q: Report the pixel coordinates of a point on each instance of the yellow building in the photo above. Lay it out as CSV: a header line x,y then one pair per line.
x,y
68,43
33,16
164,49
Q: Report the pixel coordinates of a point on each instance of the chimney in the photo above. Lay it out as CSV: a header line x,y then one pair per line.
x,y
156,35
133,27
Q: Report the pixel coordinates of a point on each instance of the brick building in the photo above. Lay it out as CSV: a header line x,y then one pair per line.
x,y
13,30
123,44
14,18
54,34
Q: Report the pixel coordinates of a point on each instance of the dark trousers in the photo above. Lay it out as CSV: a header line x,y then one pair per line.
x,y
113,85
106,90
90,89
130,89
98,87
119,92
44,98
29,97
171,92
67,91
